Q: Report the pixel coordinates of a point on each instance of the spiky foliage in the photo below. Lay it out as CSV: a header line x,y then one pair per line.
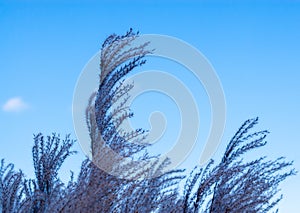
x,y
106,111
151,194
106,192
230,173
233,185
118,58
49,153
237,186
10,188
254,188
198,187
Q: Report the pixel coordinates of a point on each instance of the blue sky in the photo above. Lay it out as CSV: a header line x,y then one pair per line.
x,y
254,47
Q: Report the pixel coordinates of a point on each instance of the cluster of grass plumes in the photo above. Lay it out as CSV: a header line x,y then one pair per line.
x,y
233,185
10,188
229,186
18,194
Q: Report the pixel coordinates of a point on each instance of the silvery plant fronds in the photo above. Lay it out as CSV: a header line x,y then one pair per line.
x,y
235,185
42,193
118,58
10,188
131,189
115,180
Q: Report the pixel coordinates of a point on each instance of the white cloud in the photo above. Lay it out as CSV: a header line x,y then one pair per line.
x,y
15,105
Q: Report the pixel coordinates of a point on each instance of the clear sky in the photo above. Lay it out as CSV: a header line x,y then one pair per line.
x,y
254,47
